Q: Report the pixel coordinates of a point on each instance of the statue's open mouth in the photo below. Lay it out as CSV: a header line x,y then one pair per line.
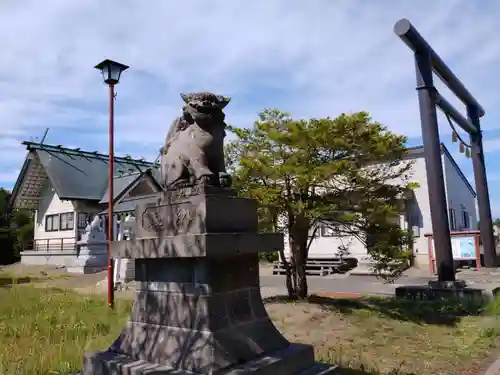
x,y
205,107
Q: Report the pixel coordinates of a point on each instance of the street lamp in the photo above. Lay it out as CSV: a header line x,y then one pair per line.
x,y
111,72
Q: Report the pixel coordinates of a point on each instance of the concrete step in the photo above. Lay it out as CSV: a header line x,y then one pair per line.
x,y
318,267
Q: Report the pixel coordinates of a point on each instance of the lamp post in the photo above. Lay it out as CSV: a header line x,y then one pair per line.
x,y
111,72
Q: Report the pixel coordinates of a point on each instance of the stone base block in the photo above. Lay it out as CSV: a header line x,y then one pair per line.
x,y
48,258
124,270
321,369
457,284
212,245
91,259
86,269
426,292
296,359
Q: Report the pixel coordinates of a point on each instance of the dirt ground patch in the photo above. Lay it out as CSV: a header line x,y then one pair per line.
x,y
376,336
18,269
48,276
57,277
379,335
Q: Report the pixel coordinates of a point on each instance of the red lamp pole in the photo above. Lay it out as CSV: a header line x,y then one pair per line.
x,y
111,289
111,71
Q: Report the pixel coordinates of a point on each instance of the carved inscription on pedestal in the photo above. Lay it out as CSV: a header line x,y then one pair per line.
x,y
152,219
184,216
169,219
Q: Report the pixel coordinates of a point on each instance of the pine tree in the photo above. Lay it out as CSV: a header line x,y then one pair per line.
x,y
16,229
337,172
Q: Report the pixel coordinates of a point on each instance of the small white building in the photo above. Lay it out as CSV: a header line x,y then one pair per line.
x,y
415,215
66,188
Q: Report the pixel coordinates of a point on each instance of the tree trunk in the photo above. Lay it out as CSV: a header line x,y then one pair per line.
x,y
298,247
286,265
288,276
299,270
302,290
293,270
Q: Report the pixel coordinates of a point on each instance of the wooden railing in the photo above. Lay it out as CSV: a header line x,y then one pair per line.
x,y
51,244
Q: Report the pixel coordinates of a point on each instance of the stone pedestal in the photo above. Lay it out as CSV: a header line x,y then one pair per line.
x,y
198,308
123,271
92,257
92,250
438,290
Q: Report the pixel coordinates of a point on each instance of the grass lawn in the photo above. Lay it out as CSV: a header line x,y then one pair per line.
x,y
46,331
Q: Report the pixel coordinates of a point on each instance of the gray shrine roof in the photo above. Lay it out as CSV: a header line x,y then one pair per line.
x,y
130,203
120,183
123,183
73,173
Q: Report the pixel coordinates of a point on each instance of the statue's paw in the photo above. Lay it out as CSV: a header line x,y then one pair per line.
x,y
205,180
225,180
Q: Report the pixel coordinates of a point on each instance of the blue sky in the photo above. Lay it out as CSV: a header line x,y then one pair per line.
x,y
310,58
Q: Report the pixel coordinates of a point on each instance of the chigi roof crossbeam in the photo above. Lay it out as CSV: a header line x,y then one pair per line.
x,y
86,154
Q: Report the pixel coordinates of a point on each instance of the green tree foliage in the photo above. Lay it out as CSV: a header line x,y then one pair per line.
x,y
16,229
4,204
337,172
496,223
6,238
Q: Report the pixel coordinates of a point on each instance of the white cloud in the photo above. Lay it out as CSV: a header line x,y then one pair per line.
x,y
12,156
493,177
310,58
491,145
9,176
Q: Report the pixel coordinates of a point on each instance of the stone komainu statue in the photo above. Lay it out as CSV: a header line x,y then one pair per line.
x,y
193,153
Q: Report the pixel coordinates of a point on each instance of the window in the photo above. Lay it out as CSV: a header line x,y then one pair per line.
x,y
453,219
83,219
51,223
327,231
67,221
465,220
314,230
414,224
415,219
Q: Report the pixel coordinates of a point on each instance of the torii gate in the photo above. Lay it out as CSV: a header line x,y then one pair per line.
x,y
428,61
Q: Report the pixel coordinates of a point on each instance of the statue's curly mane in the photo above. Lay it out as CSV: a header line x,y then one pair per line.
x,y
195,98
205,96
194,148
